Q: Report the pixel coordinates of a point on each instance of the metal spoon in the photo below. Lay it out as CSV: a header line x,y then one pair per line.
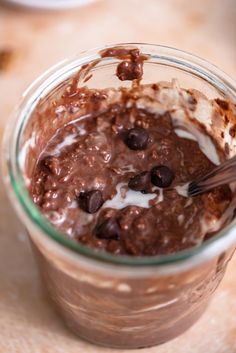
x,y
225,173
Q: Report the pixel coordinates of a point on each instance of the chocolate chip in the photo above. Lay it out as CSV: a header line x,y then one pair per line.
x,y
91,201
140,182
129,70
137,138
108,229
162,176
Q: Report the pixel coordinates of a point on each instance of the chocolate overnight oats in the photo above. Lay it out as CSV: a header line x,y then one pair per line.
x,y
115,177
105,145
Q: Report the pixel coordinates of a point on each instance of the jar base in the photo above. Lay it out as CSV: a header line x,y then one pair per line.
x,y
159,339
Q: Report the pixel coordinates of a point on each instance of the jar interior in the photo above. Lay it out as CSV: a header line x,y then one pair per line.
x,y
36,127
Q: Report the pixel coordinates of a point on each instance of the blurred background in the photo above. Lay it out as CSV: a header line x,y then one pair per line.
x,y
31,40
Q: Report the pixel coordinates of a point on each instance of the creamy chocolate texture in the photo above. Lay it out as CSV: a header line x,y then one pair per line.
x,y
131,66
114,178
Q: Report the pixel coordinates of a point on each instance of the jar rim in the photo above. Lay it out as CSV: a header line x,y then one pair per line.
x,y
23,201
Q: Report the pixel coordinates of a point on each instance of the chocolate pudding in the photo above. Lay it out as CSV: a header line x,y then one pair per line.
x,y
115,177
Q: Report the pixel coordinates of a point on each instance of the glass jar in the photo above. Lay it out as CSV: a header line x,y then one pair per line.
x,y
118,301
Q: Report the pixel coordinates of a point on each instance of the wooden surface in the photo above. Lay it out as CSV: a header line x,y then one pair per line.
x,y
37,40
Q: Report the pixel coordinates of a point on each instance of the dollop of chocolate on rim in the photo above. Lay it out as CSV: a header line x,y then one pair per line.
x,y
131,66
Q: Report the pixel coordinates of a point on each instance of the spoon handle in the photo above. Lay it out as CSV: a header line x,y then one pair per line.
x,y
221,175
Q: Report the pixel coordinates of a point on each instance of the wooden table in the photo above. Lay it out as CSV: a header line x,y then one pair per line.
x,y
36,40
